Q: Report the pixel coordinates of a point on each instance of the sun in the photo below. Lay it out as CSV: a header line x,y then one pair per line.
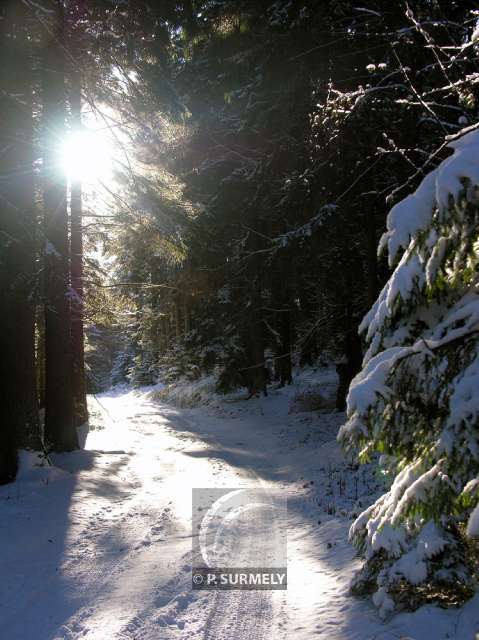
x,y
86,155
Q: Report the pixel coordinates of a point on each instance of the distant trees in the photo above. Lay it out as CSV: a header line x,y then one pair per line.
x,y
292,124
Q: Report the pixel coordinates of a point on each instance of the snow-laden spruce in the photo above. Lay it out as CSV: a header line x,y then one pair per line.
x,y
416,401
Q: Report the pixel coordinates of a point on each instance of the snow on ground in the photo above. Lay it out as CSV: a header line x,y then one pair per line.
x,y
99,546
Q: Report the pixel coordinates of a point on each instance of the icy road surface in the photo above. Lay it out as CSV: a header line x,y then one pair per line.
x,y
99,547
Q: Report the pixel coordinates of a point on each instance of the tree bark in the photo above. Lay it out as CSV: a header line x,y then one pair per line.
x,y
166,328
257,370
177,319
353,354
284,358
19,422
371,241
40,355
76,267
60,431
186,313
282,302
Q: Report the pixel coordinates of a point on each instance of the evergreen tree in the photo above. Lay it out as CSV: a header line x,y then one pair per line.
x,y
415,401
60,431
19,413
76,268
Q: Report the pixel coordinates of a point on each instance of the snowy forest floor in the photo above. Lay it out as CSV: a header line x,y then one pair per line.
x,y
99,546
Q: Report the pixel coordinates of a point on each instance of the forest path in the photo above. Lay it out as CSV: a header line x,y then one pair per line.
x,y
148,592
99,547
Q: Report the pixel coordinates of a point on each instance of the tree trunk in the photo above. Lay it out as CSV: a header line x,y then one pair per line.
x,y
257,370
166,325
177,320
186,312
76,266
284,357
60,431
40,355
353,354
19,423
371,241
281,302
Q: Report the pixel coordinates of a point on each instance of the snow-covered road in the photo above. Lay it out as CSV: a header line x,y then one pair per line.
x,y
99,547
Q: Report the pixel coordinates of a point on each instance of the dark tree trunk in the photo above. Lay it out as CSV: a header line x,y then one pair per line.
x,y
60,431
76,266
281,302
177,319
187,319
40,355
371,242
19,423
353,354
166,331
257,374
284,359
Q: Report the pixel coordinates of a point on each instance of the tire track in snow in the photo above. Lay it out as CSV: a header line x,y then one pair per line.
x,y
133,595
242,614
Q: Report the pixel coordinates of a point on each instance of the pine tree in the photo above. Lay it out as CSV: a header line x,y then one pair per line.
x,y
76,268
19,423
60,431
415,401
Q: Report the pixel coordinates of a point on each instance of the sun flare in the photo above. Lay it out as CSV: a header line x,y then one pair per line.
x,y
87,156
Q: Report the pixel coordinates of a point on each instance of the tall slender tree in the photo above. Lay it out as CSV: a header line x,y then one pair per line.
x,y
76,267
60,432
19,423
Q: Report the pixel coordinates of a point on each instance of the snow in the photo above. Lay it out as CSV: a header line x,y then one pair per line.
x,y
464,401
307,229
383,602
410,215
407,277
431,541
370,385
414,214
436,259
430,301
462,165
50,249
370,381
98,546
475,35
473,523
411,567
